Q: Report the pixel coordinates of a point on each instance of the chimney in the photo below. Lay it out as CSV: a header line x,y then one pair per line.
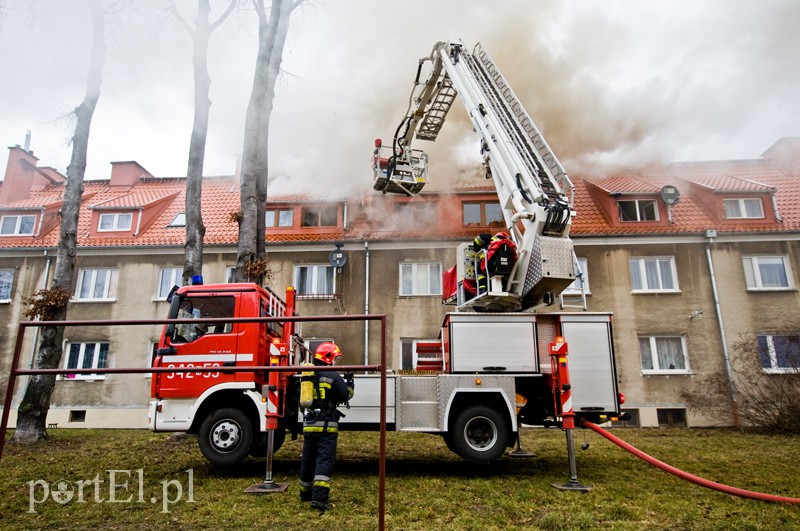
x,y
20,175
785,153
126,174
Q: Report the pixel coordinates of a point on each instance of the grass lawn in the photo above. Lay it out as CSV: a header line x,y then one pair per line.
x,y
164,482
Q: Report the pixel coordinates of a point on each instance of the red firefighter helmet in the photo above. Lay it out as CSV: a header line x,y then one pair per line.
x,y
327,353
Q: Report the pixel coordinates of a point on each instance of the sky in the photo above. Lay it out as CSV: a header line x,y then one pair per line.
x,y
611,84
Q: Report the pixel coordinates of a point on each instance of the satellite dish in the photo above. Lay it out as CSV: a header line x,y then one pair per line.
x,y
337,257
670,195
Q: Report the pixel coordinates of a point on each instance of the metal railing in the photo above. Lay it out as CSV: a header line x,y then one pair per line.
x,y
15,371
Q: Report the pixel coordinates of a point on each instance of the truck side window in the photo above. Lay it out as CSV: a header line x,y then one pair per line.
x,y
199,308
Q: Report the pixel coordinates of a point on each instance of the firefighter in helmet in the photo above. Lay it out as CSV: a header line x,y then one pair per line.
x,y
321,428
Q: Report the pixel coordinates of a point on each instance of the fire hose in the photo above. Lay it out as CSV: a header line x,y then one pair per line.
x,y
685,475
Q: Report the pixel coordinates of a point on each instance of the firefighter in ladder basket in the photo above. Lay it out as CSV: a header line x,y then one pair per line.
x,y
499,253
321,425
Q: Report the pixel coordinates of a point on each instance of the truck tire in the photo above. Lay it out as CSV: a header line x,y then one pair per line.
x,y
226,436
480,434
259,447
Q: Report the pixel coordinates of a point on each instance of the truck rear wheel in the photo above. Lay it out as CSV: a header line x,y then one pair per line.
x,y
480,434
226,436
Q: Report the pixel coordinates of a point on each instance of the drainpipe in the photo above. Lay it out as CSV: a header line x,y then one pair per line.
x,y
366,302
139,222
711,234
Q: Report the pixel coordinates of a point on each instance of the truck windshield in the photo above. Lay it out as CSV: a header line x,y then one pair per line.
x,y
200,308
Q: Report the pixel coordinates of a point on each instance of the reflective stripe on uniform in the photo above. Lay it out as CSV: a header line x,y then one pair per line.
x,y
320,429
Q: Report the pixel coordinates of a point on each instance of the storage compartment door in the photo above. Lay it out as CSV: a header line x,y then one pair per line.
x,y
591,363
493,345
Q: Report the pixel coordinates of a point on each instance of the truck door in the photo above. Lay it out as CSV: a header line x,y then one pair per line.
x,y
197,344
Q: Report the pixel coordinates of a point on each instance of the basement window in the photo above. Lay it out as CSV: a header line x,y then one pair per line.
x,y
77,415
671,418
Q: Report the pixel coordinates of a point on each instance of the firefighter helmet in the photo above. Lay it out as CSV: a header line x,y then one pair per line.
x,y
327,352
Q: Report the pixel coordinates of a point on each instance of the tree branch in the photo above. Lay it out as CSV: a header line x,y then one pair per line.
x,y
174,9
223,16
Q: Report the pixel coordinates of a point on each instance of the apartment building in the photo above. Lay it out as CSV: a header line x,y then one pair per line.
x,y
691,258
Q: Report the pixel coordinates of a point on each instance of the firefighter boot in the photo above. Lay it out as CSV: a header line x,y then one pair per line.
x,y
305,494
321,506
320,501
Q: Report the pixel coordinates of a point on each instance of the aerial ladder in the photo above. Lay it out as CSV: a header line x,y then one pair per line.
x,y
535,193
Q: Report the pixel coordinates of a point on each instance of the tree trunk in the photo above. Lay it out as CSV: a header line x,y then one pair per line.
x,y
32,411
255,157
195,230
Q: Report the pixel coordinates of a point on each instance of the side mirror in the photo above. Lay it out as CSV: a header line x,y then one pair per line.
x,y
174,306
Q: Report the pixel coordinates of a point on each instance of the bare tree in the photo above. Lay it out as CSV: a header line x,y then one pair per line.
x,y
766,399
32,411
195,230
251,252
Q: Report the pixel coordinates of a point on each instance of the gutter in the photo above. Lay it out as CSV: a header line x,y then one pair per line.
x,y
366,302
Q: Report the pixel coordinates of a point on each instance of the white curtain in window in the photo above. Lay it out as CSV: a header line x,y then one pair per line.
x,y
670,353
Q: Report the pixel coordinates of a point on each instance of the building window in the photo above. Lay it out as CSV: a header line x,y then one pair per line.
x,y
671,418
421,279
284,218
168,278
767,272
779,353
178,221
17,225
653,274
114,222
482,214
581,281
745,208
322,216
638,210
663,354
230,274
87,356
6,282
314,281
96,284
411,357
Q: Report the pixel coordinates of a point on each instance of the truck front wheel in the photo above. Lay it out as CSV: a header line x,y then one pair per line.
x,y
480,434
226,436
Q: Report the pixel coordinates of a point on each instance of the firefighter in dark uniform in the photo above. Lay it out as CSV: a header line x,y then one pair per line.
x,y
321,429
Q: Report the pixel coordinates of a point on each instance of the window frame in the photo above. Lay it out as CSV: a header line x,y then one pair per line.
x,y
415,291
176,275
315,279
575,287
116,217
18,225
657,370
97,355
753,276
109,290
484,218
643,278
639,210
741,203
7,271
274,219
772,354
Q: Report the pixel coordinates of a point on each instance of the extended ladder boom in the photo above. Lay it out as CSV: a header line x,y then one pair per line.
x,y
534,191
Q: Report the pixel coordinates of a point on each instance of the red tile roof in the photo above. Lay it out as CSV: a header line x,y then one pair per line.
x,y
371,217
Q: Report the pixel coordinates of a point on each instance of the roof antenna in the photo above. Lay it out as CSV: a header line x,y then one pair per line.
x,y
28,140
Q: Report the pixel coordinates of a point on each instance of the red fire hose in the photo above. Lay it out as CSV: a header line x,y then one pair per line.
x,y
685,475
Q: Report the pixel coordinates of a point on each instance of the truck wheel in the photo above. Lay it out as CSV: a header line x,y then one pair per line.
x,y
226,436
480,434
259,448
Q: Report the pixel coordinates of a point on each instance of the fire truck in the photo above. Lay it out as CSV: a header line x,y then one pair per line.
x,y
492,368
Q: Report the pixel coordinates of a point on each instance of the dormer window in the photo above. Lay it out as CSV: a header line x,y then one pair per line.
x,y
744,208
114,222
17,225
638,210
325,216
